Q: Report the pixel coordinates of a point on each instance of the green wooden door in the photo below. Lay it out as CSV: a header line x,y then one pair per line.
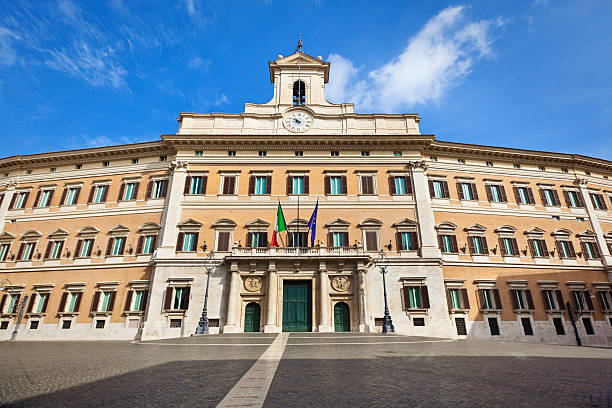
x,y
297,306
341,317
251,317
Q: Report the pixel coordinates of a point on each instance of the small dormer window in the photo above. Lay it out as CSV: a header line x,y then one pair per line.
x,y
299,93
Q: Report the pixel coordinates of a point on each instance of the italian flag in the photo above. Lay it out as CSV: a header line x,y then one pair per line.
x,y
279,226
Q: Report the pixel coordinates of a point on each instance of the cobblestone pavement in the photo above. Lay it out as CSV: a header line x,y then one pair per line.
x,y
317,370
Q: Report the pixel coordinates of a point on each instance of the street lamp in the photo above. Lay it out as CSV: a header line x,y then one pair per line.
x,y
383,262
209,264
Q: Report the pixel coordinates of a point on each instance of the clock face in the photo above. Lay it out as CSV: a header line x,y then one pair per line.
x,y
297,121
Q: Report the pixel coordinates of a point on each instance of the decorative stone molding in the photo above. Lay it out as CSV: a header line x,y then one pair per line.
x,y
253,284
179,164
341,283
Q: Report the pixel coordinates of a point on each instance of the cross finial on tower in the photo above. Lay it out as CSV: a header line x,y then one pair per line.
x,y
299,46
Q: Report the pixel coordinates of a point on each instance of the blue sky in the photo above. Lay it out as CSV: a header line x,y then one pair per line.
x,y
535,74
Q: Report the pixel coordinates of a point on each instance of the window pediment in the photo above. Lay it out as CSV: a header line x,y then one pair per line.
x,y
475,228
224,223
587,235
31,235
190,225
337,223
87,232
295,223
6,237
446,226
370,223
534,231
257,225
561,233
149,227
607,235
58,234
119,230
506,228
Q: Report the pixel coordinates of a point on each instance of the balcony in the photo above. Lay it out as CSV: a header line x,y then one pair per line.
x,y
288,252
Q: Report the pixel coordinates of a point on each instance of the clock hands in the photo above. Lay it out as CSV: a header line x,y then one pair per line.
x,y
297,121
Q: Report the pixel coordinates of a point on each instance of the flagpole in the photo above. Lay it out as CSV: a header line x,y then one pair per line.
x,y
298,220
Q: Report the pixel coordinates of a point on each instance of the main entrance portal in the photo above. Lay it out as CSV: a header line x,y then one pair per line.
x,y
297,306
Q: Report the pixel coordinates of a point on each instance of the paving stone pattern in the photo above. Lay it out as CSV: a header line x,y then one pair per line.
x,y
317,370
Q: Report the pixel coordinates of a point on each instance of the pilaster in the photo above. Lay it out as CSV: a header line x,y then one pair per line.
x,y
172,210
324,320
272,300
6,201
233,300
361,293
424,212
606,258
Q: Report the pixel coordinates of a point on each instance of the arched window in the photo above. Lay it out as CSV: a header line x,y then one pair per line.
x,y
299,93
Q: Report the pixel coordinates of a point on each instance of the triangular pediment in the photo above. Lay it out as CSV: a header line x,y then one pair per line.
x,y
300,57
119,229
505,228
534,231
446,226
6,237
149,226
337,223
257,223
31,234
475,227
405,223
190,223
58,233
608,235
561,232
301,60
586,234
88,230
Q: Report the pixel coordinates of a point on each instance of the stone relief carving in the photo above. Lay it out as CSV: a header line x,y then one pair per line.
x,y
341,283
253,284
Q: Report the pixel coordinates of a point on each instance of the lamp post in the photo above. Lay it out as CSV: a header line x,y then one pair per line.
x,y
209,265
383,262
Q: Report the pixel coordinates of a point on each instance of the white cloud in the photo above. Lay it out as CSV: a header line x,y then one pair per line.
x,y
436,59
221,100
197,63
8,56
96,66
190,6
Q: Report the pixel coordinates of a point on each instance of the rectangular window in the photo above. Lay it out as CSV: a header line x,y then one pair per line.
x,y
493,326
591,250
461,328
367,185
523,195
414,297
4,249
551,299
158,188
56,249
100,323
299,153
71,195
455,300
189,244
605,299
588,326
260,184
566,249
99,194
229,184
34,324
86,247
466,190
538,247
572,199
365,153
66,324
487,298
397,153
28,251
335,153
478,246
558,323
496,193
13,303
197,183
527,329
338,239
262,153
519,299
231,153
298,239
21,200
147,245
400,185
509,247
223,241
579,301
129,190
105,301
598,201
118,244
371,240
259,240
72,302
298,184
408,243
179,294
438,189
335,183
199,153
42,298
447,245
45,198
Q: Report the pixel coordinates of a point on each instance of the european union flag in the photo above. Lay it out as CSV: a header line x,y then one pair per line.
x,y
312,224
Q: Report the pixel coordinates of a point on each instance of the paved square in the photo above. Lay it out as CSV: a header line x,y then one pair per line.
x,y
311,370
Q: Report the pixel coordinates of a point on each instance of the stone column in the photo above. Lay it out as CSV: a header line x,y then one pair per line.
x,y
172,210
324,324
272,300
233,300
424,212
364,325
606,258
6,201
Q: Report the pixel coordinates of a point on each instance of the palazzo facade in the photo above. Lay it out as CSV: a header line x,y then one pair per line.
x,y
481,241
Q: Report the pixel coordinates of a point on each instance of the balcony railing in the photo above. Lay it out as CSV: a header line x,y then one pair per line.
x,y
302,251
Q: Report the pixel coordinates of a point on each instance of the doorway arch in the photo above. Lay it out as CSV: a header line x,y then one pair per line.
x,y
252,314
342,317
